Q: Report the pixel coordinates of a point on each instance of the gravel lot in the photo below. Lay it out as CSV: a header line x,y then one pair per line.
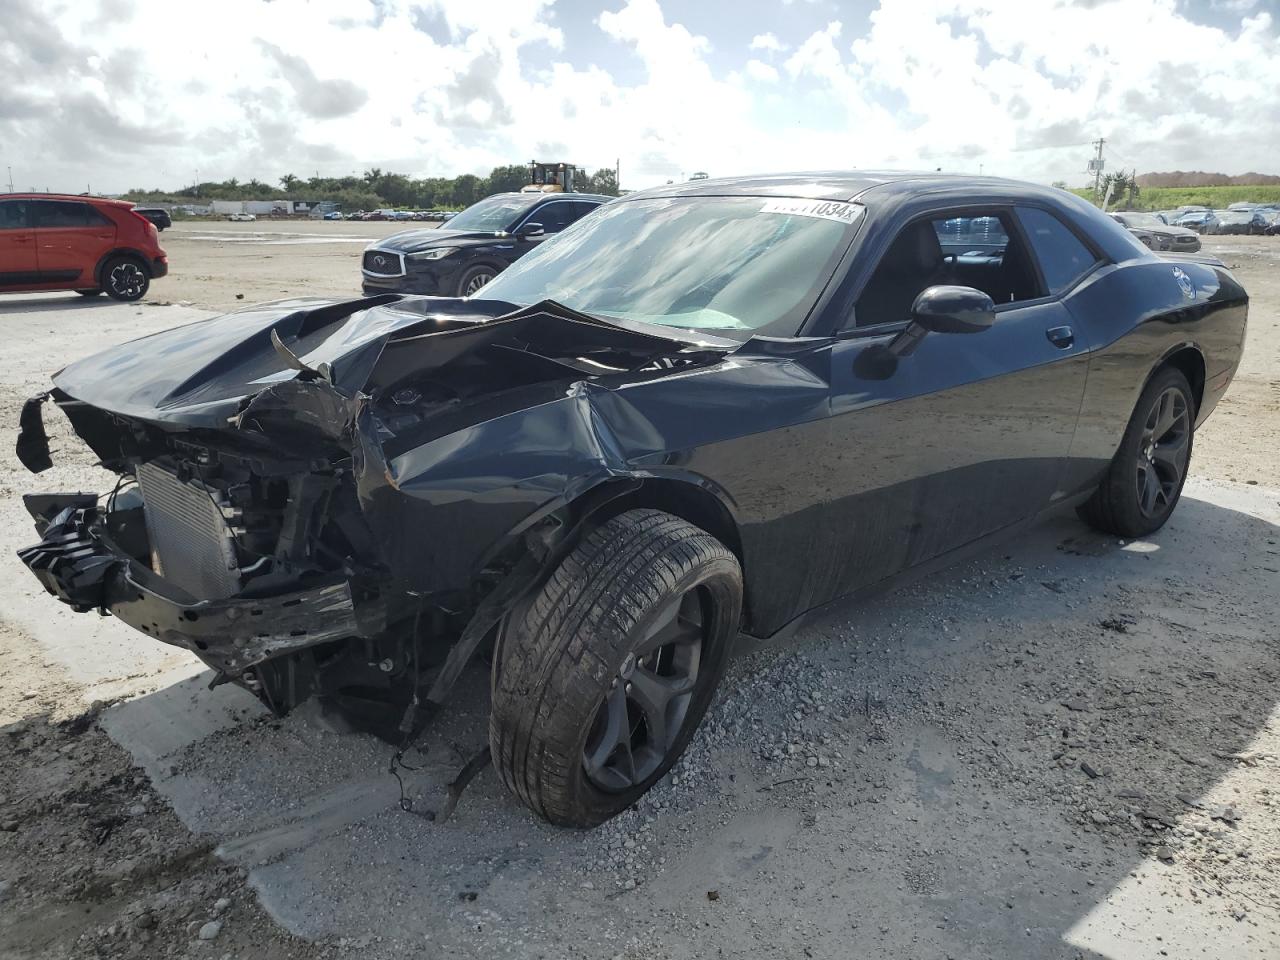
x,y
219,265
1068,747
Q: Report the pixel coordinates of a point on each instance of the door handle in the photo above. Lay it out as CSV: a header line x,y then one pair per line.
x,y
1061,337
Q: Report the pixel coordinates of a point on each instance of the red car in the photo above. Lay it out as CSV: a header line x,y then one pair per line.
x,y
50,241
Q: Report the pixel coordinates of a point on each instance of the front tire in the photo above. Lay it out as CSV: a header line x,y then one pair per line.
x,y
1144,482
475,278
602,678
125,279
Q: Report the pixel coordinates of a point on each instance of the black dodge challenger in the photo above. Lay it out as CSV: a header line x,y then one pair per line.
x,y
706,408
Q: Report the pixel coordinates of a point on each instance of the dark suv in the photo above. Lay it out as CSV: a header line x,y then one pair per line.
x,y
86,244
157,215
478,244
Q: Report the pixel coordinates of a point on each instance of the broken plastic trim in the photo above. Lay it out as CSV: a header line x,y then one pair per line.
x,y
33,442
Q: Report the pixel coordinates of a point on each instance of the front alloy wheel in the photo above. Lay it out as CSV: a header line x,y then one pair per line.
x,y
474,279
648,699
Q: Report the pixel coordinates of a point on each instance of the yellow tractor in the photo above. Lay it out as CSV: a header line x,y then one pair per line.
x,y
550,178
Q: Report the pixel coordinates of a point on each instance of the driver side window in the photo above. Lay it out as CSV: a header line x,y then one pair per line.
x,y
977,250
554,216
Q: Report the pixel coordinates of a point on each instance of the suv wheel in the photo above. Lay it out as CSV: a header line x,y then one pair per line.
x,y
125,279
474,278
602,678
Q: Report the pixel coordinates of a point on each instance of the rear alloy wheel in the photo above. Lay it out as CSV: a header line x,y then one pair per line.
x,y
125,279
602,677
1144,482
473,279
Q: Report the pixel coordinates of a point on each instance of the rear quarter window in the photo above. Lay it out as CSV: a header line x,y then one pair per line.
x,y
1063,257
61,213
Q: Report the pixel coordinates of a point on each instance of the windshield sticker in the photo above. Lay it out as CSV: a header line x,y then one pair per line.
x,y
822,209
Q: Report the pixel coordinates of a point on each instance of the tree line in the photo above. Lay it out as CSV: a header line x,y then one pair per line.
x,y
374,189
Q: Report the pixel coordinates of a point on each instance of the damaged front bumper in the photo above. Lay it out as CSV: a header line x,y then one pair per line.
x,y
77,562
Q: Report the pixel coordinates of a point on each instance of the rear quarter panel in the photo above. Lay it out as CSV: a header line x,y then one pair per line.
x,y
1136,315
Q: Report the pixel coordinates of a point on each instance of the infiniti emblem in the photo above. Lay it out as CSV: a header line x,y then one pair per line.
x,y
380,260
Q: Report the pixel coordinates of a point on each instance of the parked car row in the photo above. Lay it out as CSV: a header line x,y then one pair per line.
x,y
1239,218
419,215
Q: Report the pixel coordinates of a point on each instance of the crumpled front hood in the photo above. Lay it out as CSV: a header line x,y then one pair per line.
x,y
200,375
1170,231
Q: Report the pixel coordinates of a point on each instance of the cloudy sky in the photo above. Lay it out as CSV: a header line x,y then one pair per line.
x,y
123,93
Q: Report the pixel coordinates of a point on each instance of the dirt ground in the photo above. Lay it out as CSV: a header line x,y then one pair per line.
x,y
1067,747
219,265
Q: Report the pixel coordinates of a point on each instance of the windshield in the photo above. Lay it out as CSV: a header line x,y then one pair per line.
x,y
493,214
712,263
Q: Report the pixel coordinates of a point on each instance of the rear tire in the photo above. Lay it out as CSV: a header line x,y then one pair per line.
x,y
125,279
602,678
1142,486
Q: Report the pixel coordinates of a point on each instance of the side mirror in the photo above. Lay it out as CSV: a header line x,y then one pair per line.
x,y
529,230
945,309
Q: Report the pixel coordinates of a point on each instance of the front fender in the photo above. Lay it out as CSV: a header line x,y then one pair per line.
x,y
441,511
444,511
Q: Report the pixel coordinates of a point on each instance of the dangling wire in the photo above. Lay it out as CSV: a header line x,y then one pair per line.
x,y
408,723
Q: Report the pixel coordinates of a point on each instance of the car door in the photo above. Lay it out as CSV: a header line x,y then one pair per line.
x,y
71,237
965,434
580,208
554,215
18,265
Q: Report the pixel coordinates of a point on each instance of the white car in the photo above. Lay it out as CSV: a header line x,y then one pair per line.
x,y
242,217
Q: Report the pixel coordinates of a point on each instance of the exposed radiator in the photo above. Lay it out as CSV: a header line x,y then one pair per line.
x,y
190,543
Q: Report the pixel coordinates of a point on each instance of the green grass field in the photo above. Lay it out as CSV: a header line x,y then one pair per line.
x,y
1169,198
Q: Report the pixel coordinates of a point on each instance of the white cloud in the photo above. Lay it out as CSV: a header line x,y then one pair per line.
x,y
759,70
767,41
642,24
441,87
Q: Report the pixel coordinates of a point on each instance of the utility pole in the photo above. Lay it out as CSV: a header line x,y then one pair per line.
x,y
617,174
10,169
1095,166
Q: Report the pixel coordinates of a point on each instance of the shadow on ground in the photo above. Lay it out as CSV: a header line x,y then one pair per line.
x,y
60,301
999,754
